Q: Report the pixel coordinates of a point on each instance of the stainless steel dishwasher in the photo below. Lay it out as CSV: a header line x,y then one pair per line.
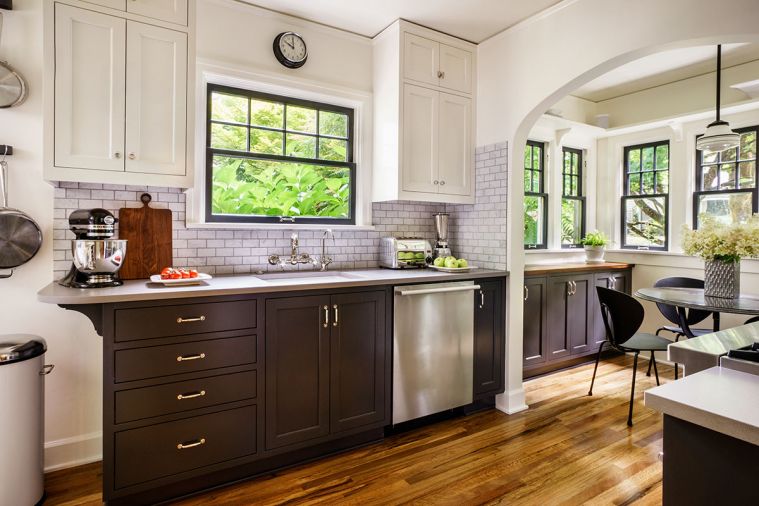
x,y
433,348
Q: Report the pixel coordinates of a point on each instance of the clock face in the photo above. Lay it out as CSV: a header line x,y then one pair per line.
x,y
290,49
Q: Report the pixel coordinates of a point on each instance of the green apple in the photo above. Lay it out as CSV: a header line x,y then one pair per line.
x,y
404,255
439,262
419,256
451,263
463,263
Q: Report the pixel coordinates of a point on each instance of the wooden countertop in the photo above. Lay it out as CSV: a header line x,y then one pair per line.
x,y
560,268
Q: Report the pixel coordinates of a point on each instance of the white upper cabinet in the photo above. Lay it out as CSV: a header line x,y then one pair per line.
x,y
420,59
115,99
454,144
89,89
423,116
173,11
455,69
436,63
156,70
420,143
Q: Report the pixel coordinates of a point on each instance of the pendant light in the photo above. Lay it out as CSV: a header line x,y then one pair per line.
x,y
718,135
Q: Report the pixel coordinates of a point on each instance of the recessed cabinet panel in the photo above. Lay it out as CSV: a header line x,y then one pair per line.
x,y
113,4
619,281
569,310
455,69
534,321
455,144
420,57
156,100
488,339
90,53
420,148
579,316
173,11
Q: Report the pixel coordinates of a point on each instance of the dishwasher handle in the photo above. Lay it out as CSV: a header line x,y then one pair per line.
x,y
447,289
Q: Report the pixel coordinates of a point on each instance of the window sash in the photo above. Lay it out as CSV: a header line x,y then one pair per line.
x,y
581,200
625,244
543,233
746,191
567,175
254,95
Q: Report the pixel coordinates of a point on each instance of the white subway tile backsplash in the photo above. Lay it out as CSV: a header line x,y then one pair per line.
x,y
478,231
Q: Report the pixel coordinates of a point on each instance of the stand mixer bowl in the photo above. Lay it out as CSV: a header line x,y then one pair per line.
x,y
96,257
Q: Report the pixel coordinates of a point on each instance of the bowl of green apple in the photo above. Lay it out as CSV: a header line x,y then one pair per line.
x,y
451,264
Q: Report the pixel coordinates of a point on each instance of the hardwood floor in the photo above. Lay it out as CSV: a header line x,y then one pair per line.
x,y
567,449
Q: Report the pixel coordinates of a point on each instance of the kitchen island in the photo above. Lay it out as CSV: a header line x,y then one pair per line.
x,y
711,437
240,375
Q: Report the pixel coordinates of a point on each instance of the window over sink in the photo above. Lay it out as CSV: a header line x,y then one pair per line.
x,y
276,159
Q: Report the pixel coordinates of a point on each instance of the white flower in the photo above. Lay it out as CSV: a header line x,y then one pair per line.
x,y
716,241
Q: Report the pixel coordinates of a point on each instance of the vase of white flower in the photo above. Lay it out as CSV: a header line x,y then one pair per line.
x,y
722,278
722,246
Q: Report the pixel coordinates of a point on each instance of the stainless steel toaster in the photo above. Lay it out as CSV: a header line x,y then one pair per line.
x,y
404,253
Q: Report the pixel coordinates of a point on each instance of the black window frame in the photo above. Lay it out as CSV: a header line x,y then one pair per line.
x,y
542,193
699,175
579,196
627,196
257,95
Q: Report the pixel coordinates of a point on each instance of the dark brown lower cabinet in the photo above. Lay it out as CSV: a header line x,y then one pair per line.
x,y
326,360
489,336
562,319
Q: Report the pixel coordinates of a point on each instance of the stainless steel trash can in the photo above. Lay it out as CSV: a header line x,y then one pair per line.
x,y
22,426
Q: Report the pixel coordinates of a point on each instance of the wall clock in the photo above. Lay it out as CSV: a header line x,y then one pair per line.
x,y
290,50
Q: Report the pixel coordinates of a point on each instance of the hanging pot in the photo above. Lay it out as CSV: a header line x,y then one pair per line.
x,y
20,236
13,89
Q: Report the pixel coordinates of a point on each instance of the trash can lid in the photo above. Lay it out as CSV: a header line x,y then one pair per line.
x,y
20,347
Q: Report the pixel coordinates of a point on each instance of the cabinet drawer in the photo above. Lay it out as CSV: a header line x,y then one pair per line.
x,y
142,363
181,396
156,451
166,321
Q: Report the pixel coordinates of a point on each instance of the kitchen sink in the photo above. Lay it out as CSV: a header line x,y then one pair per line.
x,y
309,277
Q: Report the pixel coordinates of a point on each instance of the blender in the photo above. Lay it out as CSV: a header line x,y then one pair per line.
x,y
442,249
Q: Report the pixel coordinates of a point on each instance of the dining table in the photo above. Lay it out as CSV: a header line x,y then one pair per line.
x,y
694,298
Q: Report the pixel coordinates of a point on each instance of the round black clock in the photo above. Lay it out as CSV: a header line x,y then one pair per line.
x,y
290,50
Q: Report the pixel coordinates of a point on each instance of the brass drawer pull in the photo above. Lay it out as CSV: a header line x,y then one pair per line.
x,y
326,317
193,444
184,358
191,395
337,321
201,318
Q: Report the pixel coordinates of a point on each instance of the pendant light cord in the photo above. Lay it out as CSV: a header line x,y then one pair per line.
x,y
719,76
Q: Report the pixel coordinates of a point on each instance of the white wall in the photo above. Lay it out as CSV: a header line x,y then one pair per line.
x,y
509,102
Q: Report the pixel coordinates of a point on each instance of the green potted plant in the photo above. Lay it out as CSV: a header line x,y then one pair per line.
x,y
595,244
722,246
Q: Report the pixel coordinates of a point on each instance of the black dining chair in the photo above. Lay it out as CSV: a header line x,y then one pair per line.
x,y
693,317
622,316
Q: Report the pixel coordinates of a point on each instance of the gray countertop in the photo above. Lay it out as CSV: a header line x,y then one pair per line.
x,y
703,352
139,290
719,399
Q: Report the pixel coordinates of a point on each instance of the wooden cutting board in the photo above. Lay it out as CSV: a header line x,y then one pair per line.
x,y
148,232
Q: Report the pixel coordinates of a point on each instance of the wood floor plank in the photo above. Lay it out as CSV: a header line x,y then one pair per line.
x,y
567,449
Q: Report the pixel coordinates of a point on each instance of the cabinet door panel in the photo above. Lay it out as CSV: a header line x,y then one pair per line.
x,y
558,300
297,370
358,347
579,315
420,143
616,280
534,322
173,11
455,142
488,339
89,89
455,68
156,119
420,59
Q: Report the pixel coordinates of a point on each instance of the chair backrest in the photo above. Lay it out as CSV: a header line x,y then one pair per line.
x,y
670,312
621,313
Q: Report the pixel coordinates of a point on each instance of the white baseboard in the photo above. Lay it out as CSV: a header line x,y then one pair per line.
x,y
73,451
511,402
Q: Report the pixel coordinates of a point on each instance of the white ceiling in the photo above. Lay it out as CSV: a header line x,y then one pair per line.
x,y
665,67
473,20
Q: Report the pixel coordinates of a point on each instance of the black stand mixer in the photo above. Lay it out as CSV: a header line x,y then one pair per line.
x,y
97,257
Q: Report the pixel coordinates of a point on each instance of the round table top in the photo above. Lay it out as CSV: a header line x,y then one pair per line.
x,y
694,298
